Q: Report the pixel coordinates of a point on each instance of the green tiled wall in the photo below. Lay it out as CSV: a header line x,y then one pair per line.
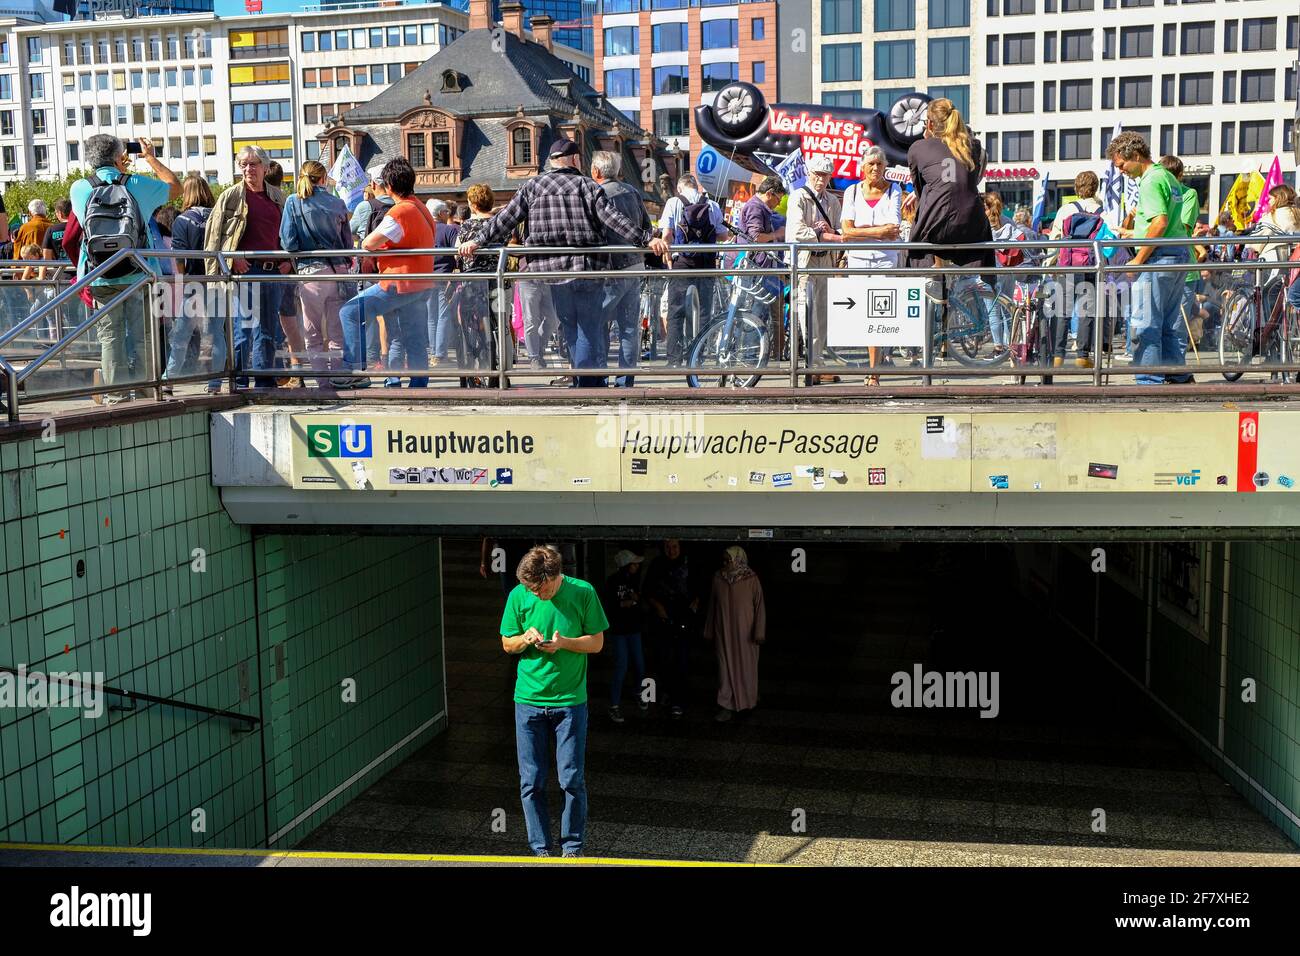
x,y
99,529
1262,604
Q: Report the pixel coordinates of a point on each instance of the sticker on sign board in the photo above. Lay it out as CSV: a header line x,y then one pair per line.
x,y
732,481
760,532
875,476
1098,470
640,466
672,479
803,471
999,482
1260,479
1285,481
819,482
582,481
757,477
783,479
934,424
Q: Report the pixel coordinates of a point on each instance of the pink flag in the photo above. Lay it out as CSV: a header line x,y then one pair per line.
x,y
1274,179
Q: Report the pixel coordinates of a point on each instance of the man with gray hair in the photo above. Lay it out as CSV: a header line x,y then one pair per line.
x,y
121,331
622,296
32,232
246,219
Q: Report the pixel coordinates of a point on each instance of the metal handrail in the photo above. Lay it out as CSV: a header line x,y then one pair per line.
x,y
71,292
251,719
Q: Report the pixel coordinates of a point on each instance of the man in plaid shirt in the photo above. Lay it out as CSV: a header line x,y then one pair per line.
x,y
564,207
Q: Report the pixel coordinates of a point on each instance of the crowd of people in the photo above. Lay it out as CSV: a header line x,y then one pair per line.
x,y
553,621
354,307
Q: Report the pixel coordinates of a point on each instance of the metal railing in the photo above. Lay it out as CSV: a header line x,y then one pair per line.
x,y
936,312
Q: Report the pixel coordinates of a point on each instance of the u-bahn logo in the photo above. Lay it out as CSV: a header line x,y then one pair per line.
x,y
339,441
1184,478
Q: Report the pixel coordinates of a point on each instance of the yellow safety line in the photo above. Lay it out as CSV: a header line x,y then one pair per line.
x,y
326,855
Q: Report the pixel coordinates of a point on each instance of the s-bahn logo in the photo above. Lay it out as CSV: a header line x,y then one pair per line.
x,y
1184,478
340,441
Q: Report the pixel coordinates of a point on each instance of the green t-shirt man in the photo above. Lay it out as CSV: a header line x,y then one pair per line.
x,y
1189,212
1160,194
557,679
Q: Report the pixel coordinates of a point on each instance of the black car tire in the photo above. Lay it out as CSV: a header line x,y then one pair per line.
x,y
739,109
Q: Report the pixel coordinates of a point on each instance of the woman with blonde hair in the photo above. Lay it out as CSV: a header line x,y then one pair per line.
x,y
315,220
736,623
187,234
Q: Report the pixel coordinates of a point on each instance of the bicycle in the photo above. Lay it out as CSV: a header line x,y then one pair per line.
x,y
1257,323
739,338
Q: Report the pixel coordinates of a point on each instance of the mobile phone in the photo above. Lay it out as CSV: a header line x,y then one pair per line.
x,y
133,147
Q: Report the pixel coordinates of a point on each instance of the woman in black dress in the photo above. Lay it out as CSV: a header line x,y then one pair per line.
x,y
947,165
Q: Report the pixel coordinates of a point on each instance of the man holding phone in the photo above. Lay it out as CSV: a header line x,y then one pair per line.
x,y
554,622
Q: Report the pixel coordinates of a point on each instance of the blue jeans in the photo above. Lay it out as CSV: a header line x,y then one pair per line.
x,y
622,307
625,646
585,326
999,320
679,308
261,330
402,310
1293,295
408,343
441,322
1156,325
534,729
183,327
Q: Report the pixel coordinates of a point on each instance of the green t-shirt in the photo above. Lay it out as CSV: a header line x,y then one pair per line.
x,y
1189,212
1159,194
558,679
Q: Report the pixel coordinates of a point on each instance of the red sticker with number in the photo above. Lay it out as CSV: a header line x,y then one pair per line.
x,y
1247,450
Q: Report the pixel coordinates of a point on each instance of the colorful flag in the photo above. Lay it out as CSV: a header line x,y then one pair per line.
x,y
792,171
1112,192
1040,203
1242,199
1273,180
349,179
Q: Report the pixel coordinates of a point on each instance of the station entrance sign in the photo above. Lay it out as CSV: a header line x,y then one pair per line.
x,y
875,311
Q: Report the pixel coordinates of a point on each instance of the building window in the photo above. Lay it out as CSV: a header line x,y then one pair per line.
x,y
308,42
1049,96
263,74
1257,86
891,15
6,122
1049,47
121,116
718,75
6,87
8,158
719,34
1257,137
672,122
1076,45
669,38
1017,147
70,116
1288,135
415,153
1259,34
42,156
759,73
266,111
1017,48
1017,97
1136,42
521,147
1074,6
842,16
1049,144
1230,37
895,60
74,152
377,75
1288,84
960,96
1076,95
1108,43
1076,144
991,50
245,44
1170,45
38,122
1134,92
992,99
1230,86
757,28
137,114
173,113
1107,93
1013,8
1194,139
885,99
1167,88
949,13
36,85
1198,38
842,62
33,49
850,99
1196,89
950,56
622,40
672,79
1228,138
622,82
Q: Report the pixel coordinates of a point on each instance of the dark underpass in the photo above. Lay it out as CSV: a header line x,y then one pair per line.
x,y
1079,765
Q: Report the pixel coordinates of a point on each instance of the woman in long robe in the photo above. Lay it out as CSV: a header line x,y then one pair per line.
x,y
736,623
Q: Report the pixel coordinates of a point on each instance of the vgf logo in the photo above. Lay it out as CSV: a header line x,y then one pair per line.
x,y
339,441
1189,478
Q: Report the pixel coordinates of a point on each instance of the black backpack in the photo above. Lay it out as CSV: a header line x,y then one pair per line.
x,y
112,222
698,228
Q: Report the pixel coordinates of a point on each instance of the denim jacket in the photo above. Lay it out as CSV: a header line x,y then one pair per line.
x,y
318,222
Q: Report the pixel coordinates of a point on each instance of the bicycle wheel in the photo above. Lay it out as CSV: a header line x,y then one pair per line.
x,y
1237,332
746,346
969,336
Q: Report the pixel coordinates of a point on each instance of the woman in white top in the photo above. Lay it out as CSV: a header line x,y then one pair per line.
x,y
872,211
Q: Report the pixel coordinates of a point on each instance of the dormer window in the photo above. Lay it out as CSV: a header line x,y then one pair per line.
x,y
450,81
521,146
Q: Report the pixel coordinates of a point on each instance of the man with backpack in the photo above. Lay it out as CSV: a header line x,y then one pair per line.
x,y
112,206
690,218
1080,219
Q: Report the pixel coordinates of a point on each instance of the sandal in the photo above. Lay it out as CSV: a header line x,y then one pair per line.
x,y
873,379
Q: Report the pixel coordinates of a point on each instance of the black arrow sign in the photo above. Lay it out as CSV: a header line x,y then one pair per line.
x,y
850,303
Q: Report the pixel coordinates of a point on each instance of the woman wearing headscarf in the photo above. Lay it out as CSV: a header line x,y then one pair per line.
x,y
736,623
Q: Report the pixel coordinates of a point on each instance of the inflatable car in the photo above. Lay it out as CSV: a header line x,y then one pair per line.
x,y
744,128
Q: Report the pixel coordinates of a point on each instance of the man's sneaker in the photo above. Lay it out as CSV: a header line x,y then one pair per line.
x,y
616,714
541,853
571,854
676,710
342,383
1083,362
